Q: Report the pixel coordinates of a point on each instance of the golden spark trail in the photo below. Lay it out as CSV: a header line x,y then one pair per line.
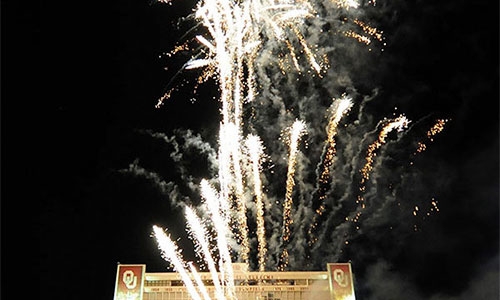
x,y
361,38
200,233
251,72
292,54
170,253
309,54
339,108
241,207
435,129
297,130
233,144
370,30
254,146
398,124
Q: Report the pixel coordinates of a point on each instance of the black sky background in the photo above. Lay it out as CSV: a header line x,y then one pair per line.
x,y
78,80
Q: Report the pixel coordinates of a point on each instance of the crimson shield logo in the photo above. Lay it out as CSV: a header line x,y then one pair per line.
x,y
341,283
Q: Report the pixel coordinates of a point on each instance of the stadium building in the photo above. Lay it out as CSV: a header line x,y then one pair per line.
x,y
336,283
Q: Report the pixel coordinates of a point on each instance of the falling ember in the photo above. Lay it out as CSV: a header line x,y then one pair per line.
x,y
433,208
434,205
297,130
435,129
360,38
163,98
369,30
170,253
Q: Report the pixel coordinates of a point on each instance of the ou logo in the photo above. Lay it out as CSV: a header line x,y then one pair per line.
x,y
340,277
129,279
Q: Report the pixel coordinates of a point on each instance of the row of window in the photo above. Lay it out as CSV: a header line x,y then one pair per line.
x,y
284,295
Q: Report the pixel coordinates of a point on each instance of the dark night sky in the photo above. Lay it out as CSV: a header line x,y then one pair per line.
x,y
79,79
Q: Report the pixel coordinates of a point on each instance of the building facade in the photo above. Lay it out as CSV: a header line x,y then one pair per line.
x,y
336,283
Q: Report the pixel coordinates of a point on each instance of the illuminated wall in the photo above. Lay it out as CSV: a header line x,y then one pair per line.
x,y
335,283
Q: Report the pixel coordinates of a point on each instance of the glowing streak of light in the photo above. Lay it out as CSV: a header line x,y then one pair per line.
x,y
200,233
170,253
163,98
437,128
361,38
230,143
255,149
227,24
213,204
297,130
292,54
370,30
339,108
251,72
197,63
309,53
241,207
205,42
398,124
346,3
224,158
292,14
241,23
197,278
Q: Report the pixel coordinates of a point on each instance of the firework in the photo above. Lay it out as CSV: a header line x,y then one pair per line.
x,y
398,124
213,203
339,108
237,33
296,131
254,146
200,234
170,253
